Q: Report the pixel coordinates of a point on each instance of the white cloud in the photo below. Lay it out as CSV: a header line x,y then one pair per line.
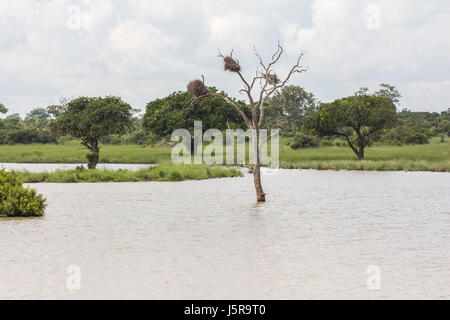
x,y
139,38
12,32
142,50
343,49
236,29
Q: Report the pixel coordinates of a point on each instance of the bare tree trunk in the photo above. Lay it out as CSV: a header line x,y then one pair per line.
x,y
269,82
260,195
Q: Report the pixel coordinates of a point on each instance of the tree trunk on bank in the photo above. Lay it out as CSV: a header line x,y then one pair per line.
x,y
361,145
260,195
358,151
361,153
93,156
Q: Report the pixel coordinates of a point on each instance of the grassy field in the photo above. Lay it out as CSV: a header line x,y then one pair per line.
x,y
72,152
434,151
164,172
434,156
430,157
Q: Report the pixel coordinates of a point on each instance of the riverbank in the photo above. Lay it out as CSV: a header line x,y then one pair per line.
x,y
371,165
163,172
434,156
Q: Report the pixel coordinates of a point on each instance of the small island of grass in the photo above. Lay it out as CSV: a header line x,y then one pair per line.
x,y
163,172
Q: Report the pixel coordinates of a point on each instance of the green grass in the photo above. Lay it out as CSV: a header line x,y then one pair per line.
x,y
72,152
429,157
163,172
370,165
434,156
434,151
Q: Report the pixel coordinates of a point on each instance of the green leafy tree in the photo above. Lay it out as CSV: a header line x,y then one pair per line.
x,y
355,118
55,110
38,118
289,107
175,111
389,92
13,116
91,119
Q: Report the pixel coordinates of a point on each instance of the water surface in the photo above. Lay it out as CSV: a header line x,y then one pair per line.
x,y
315,237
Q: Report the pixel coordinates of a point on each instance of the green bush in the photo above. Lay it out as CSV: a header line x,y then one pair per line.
x,y
302,140
17,201
405,135
416,138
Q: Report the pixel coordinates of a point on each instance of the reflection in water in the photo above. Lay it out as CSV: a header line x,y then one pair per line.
x,y
315,237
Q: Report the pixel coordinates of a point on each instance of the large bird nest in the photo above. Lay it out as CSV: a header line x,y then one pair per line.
x,y
197,88
230,64
272,78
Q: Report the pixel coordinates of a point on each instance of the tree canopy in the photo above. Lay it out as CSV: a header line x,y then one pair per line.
x,y
177,110
91,119
355,118
288,108
38,117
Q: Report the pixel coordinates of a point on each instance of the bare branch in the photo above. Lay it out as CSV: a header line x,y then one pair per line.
x,y
236,107
259,58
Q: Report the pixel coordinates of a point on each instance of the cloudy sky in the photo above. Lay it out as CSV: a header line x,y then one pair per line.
x,y
142,50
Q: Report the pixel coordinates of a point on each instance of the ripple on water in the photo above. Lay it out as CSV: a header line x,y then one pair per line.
x,y
313,238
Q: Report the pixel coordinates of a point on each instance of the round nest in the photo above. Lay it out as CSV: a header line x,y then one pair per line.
x,y
272,78
231,65
197,88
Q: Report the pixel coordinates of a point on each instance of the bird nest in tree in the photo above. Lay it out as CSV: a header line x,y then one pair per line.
x,y
230,64
272,78
197,88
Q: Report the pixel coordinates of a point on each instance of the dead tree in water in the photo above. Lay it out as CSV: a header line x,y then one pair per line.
x,y
269,82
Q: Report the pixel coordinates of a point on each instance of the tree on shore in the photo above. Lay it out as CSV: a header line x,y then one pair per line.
x,y
269,83
289,107
355,118
91,119
165,115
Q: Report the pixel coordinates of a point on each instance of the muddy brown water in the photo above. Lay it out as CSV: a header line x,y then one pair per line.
x,y
315,237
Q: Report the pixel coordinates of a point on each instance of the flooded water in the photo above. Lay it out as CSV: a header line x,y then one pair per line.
x,y
315,237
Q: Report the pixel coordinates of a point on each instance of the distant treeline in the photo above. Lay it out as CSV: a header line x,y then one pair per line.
x,y
35,128
288,109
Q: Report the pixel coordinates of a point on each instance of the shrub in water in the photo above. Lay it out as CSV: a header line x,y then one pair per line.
x,y
17,201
